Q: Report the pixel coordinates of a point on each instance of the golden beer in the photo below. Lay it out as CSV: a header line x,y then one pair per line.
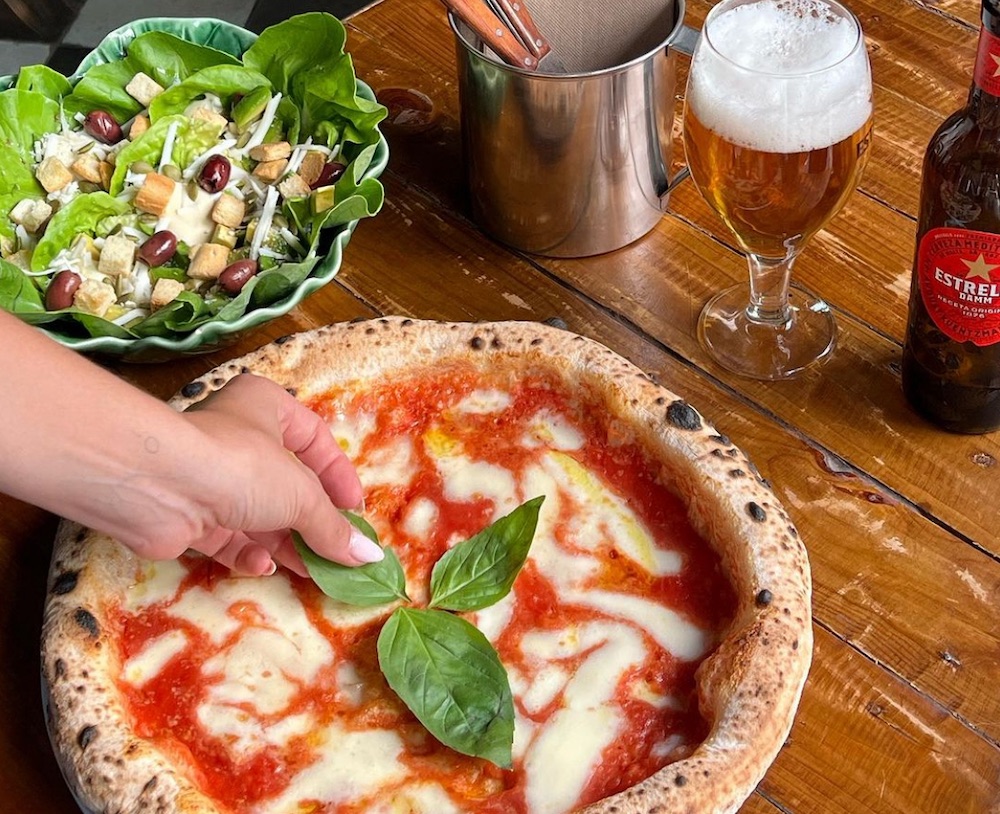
x,y
771,200
777,121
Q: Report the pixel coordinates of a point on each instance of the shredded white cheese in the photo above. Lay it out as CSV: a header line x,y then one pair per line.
x,y
292,240
200,161
264,224
261,128
168,145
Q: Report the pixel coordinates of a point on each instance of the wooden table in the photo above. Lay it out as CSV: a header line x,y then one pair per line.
x,y
901,712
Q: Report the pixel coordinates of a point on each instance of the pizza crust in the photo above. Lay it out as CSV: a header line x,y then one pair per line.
x,y
749,687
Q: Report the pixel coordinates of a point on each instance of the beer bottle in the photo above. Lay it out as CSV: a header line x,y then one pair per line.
x,y
951,357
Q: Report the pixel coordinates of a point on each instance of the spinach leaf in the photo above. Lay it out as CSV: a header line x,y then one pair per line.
x,y
481,570
451,678
376,583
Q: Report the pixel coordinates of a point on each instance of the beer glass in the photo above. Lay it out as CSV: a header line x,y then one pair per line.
x,y
777,121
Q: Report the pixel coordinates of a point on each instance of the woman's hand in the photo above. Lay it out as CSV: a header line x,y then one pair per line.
x,y
229,478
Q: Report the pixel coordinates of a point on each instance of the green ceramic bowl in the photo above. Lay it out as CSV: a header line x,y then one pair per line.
x,y
216,333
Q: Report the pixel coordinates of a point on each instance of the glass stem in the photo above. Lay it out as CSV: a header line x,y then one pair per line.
x,y
769,277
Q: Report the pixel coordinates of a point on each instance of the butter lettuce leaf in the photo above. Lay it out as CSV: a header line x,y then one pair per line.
x,y
194,136
224,81
79,216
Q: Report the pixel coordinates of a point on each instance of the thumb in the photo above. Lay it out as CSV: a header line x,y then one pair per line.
x,y
331,535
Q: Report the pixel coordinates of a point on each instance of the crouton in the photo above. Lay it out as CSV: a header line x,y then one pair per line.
x,y
208,261
107,171
140,124
117,256
312,167
94,297
154,194
165,291
143,88
207,114
53,174
31,214
294,187
270,171
87,167
21,259
271,151
229,211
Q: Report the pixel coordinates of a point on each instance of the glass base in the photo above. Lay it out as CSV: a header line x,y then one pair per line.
x,y
767,350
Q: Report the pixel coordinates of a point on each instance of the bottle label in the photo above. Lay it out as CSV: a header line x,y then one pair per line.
x,y
987,74
959,272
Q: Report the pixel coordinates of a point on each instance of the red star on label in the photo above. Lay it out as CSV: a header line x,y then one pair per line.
x,y
996,59
979,267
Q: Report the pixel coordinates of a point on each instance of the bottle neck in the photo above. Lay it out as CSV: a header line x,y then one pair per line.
x,y
984,95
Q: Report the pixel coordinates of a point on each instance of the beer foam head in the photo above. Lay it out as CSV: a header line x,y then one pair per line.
x,y
781,75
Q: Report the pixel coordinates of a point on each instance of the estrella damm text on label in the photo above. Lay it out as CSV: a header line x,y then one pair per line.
x,y
987,74
959,271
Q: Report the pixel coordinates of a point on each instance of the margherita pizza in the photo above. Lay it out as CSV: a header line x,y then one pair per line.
x,y
656,640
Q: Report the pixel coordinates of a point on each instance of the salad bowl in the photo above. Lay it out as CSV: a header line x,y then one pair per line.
x,y
187,95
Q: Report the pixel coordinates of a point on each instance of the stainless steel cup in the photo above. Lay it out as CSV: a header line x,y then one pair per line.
x,y
567,165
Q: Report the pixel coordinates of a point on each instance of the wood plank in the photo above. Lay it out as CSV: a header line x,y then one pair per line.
x,y
882,571
853,405
898,751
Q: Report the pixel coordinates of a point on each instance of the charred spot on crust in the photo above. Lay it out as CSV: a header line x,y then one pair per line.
x,y
406,323
86,736
477,343
65,582
150,785
244,370
721,439
683,415
556,322
680,780
355,321
764,598
291,391
756,512
281,340
81,535
536,341
192,389
496,343
59,668
85,619
736,473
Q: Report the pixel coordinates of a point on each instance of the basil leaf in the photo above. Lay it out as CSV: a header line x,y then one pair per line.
x,y
376,583
480,571
451,678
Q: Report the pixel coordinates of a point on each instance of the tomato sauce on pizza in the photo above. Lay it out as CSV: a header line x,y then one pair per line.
x,y
271,694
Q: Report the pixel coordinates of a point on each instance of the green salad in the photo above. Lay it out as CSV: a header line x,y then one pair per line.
x,y
180,184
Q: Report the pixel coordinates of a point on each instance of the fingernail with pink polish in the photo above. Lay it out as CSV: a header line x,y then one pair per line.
x,y
271,569
363,549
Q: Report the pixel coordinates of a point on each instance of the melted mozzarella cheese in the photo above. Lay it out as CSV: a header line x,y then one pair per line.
x,y
422,798
466,479
552,431
420,517
491,621
483,402
148,662
157,582
391,465
671,631
561,758
602,517
205,611
349,765
350,431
